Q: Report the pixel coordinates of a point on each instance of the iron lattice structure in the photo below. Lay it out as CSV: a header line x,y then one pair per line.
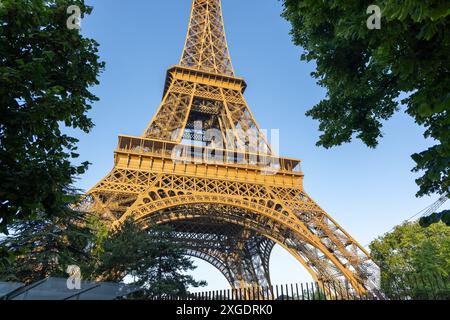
x,y
229,213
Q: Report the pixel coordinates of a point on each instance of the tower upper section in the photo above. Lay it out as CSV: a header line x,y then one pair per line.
x,y
206,46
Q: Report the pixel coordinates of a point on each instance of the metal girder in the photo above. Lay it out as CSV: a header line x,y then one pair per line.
x,y
240,254
206,46
303,229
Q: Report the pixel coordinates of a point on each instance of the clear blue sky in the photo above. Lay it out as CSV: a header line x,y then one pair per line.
x,y
367,191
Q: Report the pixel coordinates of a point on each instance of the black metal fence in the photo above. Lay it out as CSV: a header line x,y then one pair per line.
x,y
417,287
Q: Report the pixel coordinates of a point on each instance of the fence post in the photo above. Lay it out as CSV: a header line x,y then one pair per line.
x,y
425,286
313,291
335,291
438,284
433,291
318,291
303,291
326,289
307,290
347,289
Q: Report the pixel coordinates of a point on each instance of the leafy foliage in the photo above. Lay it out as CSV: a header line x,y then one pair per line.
x,y
46,71
46,246
153,260
443,216
414,252
365,71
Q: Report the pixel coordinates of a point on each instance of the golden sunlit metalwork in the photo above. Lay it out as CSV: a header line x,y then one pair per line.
x,y
229,213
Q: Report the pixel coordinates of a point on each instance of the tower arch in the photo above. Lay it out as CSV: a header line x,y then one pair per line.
x,y
254,217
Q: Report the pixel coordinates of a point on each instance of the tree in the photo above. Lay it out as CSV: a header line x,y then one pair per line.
x,y
46,246
150,257
366,71
411,252
46,71
443,216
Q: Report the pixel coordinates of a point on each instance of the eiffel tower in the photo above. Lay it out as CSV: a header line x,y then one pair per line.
x,y
224,205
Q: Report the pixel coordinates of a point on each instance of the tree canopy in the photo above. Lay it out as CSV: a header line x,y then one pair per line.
x,y
46,246
366,73
410,250
46,73
435,217
150,259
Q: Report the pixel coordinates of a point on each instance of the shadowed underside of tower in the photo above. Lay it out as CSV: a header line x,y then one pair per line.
x,y
204,166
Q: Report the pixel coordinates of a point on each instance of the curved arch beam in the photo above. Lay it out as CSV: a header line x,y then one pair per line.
x,y
227,272
146,207
215,262
240,254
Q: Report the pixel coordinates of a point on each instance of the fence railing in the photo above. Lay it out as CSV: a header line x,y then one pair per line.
x,y
417,287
